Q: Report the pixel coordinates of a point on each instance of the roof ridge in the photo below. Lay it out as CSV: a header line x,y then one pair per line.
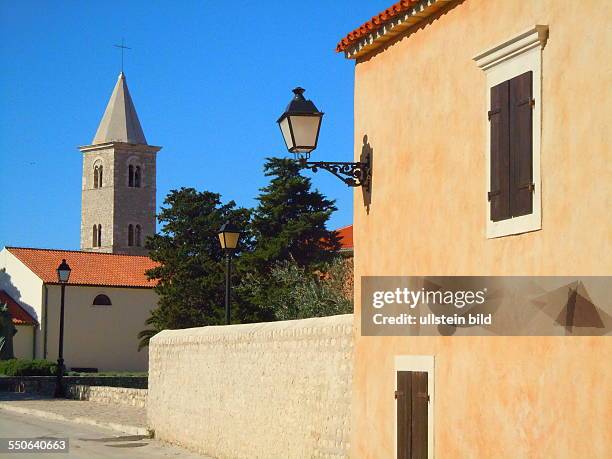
x,y
8,247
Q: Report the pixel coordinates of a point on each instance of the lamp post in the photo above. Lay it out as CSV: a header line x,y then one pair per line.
x,y
300,124
63,275
228,237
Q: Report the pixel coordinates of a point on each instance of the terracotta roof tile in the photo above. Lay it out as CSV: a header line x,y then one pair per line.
x,y
88,268
19,315
345,234
374,23
377,21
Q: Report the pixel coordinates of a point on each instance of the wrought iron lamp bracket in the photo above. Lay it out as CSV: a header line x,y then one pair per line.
x,y
353,174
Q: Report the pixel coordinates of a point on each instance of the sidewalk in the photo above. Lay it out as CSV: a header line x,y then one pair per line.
x,y
128,419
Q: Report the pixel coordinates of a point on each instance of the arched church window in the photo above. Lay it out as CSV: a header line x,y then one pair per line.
x,y
138,235
130,235
137,177
96,239
102,300
130,175
97,175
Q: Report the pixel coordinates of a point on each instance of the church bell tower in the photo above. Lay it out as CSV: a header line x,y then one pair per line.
x,y
118,193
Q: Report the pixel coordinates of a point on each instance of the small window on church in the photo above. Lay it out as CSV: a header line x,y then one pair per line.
x,y
137,177
138,236
97,176
102,300
130,175
130,235
99,235
94,236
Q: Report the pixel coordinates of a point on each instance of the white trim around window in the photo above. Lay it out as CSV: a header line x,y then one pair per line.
x,y
417,363
520,54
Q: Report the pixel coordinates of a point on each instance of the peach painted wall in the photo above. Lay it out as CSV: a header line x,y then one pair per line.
x,y
422,104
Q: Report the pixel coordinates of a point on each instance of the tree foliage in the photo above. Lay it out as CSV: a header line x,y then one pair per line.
x,y
300,292
191,271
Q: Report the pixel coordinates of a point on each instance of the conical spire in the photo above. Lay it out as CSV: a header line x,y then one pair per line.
x,y
120,121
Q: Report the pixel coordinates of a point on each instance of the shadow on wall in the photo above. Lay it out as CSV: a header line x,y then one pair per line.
x,y
367,152
7,285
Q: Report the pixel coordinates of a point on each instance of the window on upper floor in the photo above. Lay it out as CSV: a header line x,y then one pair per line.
x,y
130,235
134,176
138,236
513,72
97,175
137,176
96,236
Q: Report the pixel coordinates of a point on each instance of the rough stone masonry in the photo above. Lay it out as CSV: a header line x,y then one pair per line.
x,y
267,390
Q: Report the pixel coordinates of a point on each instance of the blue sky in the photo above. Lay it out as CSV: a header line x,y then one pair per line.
x,y
209,80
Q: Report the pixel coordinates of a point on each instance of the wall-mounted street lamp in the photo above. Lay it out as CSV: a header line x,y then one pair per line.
x,y
300,125
229,236
63,276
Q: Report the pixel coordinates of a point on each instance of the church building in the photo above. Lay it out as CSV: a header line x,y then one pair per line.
x,y
108,297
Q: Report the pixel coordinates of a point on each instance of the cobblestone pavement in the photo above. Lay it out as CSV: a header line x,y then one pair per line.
x,y
73,409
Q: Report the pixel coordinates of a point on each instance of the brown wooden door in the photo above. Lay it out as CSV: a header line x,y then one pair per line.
x,y
412,404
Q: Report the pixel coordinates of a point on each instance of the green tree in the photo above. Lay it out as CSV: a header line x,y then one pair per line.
x,y
191,267
300,293
289,224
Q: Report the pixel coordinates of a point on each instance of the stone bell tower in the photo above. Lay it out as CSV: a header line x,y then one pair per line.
x,y
118,197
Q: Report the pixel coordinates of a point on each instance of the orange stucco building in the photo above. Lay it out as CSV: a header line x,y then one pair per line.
x,y
428,79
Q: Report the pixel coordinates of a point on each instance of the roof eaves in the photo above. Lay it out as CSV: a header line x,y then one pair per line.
x,y
374,34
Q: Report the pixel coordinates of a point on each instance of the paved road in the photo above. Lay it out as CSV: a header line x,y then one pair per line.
x,y
86,442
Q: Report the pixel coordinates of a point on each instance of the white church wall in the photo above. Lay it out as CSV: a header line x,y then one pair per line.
x,y
23,342
27,289
21,284
269,390
103,337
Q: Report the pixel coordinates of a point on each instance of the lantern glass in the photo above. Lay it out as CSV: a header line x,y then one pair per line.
x,y
63,272
305,132
229,237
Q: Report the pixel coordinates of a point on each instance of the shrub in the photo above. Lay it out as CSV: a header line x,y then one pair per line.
x,y
23,367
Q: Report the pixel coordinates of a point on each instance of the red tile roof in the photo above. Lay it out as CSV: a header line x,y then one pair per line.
x,y
19,315
377,21
345,234
88,268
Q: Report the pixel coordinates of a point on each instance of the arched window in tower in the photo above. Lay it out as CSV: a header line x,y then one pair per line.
x,y
130,235
97,174
130,175
96,237
138,236
137,177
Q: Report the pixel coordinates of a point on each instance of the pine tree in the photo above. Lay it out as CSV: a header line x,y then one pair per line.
x,y
288,225
191,272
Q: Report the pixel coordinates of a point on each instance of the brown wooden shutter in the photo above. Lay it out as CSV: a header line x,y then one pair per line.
x,y
412,407
521,140
499,194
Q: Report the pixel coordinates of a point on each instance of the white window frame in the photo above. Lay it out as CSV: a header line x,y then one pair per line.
x,y
417,363
520,54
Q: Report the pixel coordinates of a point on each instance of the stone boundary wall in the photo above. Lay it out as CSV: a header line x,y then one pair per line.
x,y
45,385
267,390
108,395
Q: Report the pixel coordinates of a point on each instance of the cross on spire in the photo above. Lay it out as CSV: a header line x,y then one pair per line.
x,y
122,47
